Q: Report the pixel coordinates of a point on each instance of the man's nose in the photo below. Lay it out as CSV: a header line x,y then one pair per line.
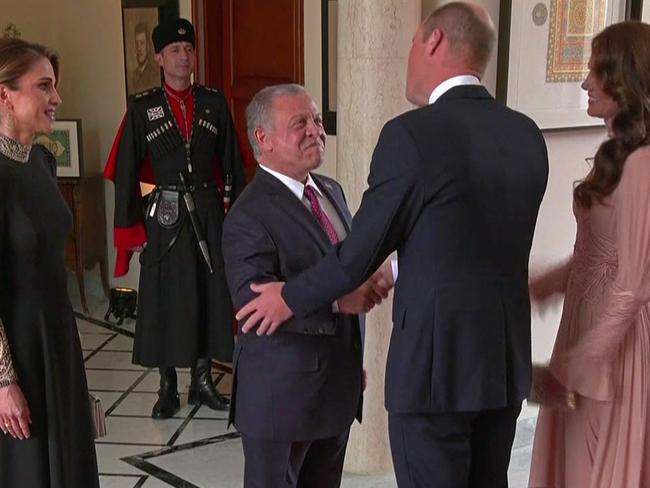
x,y
313,128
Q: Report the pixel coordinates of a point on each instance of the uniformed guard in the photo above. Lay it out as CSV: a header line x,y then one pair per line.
x,y
181,138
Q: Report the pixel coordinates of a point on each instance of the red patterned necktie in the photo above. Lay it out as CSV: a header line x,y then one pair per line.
x,y
321,217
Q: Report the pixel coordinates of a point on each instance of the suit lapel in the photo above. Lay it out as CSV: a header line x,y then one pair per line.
x,y
337,201
287,202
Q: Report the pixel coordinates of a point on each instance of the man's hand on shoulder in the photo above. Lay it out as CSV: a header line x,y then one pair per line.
x,y
268,309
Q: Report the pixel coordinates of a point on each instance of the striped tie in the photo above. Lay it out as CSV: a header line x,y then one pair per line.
x,y
321,217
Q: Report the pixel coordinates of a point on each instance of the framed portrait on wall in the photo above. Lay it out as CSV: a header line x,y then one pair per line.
x,y
64,142
544,49
139,17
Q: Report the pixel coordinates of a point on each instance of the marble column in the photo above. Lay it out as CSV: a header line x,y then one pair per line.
x,y
374,38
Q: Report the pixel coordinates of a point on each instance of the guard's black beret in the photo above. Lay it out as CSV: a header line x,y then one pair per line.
x,y
172,30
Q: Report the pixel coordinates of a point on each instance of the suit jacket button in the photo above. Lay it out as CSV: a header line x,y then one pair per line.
x,y
356,345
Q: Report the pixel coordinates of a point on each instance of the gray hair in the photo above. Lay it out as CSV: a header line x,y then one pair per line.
x,y
259,112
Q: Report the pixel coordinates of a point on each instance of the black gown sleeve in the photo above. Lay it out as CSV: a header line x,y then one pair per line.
x,y
7,373
48,159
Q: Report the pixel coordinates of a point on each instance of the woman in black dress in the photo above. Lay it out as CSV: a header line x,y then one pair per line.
x,y
46,437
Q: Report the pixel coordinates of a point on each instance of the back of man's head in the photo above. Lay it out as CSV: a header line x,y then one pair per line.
x,y
469,32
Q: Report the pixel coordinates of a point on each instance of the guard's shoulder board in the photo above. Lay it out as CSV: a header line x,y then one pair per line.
x,y
208,88
146,93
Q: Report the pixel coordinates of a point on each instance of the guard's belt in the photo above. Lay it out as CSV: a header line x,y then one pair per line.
x,y
199,186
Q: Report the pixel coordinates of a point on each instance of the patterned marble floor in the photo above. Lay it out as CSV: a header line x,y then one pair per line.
x,y
195,449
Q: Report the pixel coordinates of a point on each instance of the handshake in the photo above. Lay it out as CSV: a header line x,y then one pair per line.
x,y
268,311
370,293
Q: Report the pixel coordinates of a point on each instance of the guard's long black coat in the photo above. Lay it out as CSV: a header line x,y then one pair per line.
x,y
184,312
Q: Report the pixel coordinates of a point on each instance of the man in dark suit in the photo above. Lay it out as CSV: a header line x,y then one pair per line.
x,y
295,394
455,187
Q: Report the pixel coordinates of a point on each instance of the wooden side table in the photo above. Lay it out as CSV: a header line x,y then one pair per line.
x,y
86,247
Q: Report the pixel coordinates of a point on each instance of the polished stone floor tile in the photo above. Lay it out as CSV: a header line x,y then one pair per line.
x,y
154,483
207,413
138,430
121,343
113,360
202,429
85,327
90,342
118,481
111,380
225,462
109,458
139,405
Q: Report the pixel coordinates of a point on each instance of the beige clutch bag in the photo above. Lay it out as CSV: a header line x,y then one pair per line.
x,y
547,391
97,415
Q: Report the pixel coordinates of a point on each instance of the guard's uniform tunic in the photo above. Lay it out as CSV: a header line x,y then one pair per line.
x,y
184,311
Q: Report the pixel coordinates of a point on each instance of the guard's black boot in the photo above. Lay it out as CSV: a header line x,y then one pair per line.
x,y
202,390
168,402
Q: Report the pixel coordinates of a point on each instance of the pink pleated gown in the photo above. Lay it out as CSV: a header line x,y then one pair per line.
x,y
602,350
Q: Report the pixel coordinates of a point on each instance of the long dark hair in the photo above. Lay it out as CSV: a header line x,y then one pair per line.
x,y
620,59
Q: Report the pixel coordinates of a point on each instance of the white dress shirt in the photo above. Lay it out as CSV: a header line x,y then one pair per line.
x,y
298,189
450,83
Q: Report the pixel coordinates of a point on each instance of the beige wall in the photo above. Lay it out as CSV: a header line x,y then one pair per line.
x,y
39,28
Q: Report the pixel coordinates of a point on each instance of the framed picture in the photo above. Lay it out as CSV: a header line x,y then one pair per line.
x,y
139,17
329,40
65,143
544,48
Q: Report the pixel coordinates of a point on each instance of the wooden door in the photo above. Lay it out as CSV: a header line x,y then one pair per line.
x,y
245,45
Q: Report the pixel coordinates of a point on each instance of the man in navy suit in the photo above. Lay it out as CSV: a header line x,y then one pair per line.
x,y
295,394
454,187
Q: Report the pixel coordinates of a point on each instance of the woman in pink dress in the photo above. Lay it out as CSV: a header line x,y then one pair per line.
x,y
602,351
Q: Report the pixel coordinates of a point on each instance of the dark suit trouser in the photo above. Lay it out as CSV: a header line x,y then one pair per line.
x,y
304,464
455,450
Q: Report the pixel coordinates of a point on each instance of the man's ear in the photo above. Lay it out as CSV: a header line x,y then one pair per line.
x,y
433,42
159,59
262,139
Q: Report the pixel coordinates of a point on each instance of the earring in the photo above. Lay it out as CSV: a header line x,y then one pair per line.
x,y
11,119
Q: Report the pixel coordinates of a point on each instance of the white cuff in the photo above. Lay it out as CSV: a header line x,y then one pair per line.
x,y
394,268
